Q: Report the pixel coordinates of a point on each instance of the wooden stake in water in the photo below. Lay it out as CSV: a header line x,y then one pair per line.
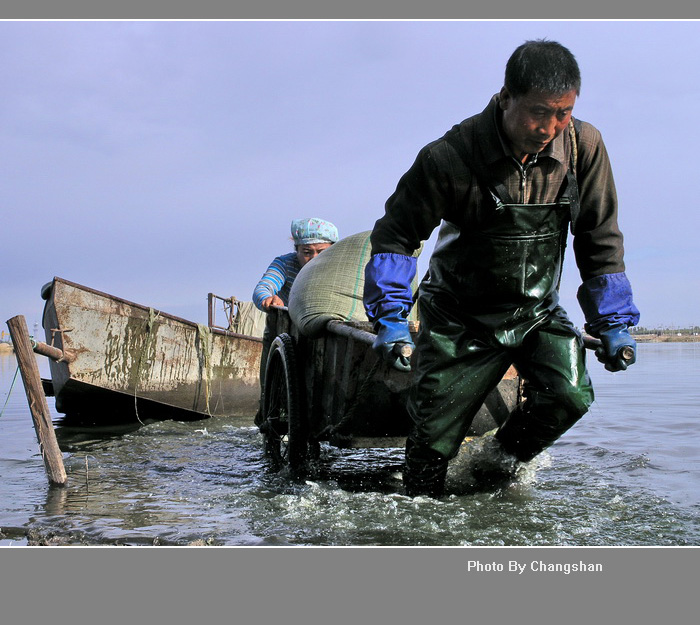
x,y
38,406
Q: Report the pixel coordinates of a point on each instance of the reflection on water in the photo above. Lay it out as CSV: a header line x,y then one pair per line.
x,y
627,474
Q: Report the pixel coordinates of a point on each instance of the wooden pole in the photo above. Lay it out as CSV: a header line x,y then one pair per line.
x,y
211,309
38,406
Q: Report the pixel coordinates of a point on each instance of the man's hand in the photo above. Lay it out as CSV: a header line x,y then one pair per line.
x,y
273,300
619,349
392,338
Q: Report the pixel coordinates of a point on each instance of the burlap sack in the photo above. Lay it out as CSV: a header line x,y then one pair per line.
x,y
331,286
249,320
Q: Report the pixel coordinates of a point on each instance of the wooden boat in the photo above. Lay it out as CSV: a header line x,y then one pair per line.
x,y
124,361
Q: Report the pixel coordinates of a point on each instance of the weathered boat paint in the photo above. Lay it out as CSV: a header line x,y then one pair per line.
x,y
133,361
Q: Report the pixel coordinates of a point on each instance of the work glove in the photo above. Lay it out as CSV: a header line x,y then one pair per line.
x,y
387,300
619,349
392,335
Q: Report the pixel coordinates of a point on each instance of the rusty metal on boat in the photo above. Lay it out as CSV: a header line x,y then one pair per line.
x,y
123,360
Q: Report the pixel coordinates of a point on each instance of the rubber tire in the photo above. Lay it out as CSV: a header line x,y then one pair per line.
x,y
284,429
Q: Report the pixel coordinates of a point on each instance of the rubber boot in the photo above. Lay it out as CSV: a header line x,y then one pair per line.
x,y
492,464
525,435
425,471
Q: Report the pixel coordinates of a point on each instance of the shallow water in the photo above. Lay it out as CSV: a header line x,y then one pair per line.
x,y
626,474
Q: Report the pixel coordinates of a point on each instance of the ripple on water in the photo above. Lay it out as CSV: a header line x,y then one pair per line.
x,y
625,475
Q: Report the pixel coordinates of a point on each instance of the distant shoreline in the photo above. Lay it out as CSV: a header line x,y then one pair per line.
x,y
666,338
6,348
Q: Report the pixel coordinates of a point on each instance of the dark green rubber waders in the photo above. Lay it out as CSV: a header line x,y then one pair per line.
x,y
490,301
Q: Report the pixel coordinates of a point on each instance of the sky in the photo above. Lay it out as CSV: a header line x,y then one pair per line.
x,y
159,161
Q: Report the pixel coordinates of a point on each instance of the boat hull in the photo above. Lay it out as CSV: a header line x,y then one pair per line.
x,y
130,361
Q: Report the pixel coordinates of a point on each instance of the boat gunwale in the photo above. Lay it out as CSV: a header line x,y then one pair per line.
x,y
160,313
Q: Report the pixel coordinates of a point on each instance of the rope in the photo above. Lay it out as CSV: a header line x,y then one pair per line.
x,y
206,348
9,392
14,379
230,312
152,317
574,145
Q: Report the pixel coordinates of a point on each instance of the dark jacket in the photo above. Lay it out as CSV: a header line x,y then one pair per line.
x,y
439,186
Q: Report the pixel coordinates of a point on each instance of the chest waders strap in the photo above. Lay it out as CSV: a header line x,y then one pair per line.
x,y
575,207
497,189
571,189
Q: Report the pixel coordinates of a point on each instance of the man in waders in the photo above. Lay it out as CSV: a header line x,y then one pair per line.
x,y
506,185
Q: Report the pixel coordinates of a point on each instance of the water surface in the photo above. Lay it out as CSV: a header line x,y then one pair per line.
x,y
627,474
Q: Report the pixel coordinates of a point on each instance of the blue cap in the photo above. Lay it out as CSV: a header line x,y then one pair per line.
x,y
313,230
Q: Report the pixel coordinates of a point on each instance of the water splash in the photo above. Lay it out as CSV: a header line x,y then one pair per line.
x,y
482,465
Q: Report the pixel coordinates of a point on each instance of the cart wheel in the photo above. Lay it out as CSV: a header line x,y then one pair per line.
x,y
283,427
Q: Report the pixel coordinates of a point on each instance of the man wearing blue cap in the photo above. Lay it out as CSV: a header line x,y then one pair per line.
x,y
311,236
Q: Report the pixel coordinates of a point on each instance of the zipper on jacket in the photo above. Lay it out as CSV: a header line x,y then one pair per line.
x,y
523,175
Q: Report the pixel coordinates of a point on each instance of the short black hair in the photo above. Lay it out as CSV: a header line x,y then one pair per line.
x,y
542,65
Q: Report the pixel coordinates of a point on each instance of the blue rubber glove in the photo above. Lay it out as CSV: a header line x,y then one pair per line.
x,y
392,332
388,300
615,339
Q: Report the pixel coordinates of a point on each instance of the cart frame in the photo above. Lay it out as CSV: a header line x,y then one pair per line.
x,y
334,388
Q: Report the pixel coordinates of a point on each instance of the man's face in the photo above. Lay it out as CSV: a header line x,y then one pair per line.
x,y
305,253
531,121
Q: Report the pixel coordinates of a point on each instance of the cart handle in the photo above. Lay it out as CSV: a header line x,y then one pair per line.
x,y
404,349
627,352
338,327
